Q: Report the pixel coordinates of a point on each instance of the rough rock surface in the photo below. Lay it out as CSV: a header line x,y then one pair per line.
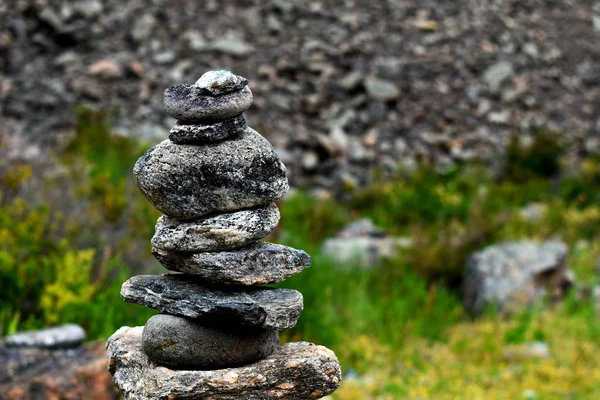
x,y
206,133
512,275
181,295
215,83
216,233
256,264
57,337
188,103
186,181
181,343
35,374
294,371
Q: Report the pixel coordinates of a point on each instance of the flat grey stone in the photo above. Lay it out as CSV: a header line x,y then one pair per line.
x,y
257,264
294,371
182,343
189,103
206,133
217,232
215,83
182,295
186,181
57,337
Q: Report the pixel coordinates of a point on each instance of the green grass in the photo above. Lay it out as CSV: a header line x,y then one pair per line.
x,y
399,327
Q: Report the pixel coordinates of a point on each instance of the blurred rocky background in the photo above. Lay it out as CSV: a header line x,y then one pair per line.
x,y
344,89
445,159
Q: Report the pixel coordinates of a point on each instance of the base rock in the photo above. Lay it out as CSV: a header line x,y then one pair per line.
x,y
295,371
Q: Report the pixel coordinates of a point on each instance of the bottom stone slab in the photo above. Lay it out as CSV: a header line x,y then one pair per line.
x,y
295,371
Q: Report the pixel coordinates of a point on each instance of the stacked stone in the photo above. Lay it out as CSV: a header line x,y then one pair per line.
x,y
215,181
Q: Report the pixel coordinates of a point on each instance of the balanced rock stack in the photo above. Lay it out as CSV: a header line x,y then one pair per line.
x,y
217,337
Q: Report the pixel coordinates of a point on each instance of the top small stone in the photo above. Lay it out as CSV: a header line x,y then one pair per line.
x,y
214,83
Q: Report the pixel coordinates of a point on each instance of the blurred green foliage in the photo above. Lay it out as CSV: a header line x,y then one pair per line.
x,y
46,280
65,251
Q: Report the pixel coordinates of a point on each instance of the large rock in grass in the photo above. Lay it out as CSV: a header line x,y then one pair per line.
x,y
294,371
182,295
182,343
217,232
511,276
256,264
187,181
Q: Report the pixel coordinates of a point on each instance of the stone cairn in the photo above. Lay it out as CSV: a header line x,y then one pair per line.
x,y
217,337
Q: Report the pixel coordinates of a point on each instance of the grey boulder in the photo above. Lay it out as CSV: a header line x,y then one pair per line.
x,y
181,343
205,133
184,296
190,103
511,276
294,371
217,232
257,264
186,181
